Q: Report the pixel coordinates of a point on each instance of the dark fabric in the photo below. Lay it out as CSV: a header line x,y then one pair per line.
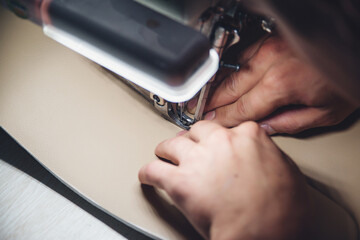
x,y
325,32
12,153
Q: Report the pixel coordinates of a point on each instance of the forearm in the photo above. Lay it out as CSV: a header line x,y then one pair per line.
x,y
326,33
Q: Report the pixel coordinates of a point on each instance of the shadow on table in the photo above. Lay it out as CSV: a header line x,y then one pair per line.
x,y
331,193
169,213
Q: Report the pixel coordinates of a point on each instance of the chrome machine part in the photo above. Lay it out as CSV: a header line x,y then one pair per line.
x,y
209,25
223,24
221,39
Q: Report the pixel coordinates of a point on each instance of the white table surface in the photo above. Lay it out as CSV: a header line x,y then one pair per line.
x,y
30,210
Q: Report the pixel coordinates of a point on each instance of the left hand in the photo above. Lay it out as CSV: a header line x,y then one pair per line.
x,y
231,183
276,79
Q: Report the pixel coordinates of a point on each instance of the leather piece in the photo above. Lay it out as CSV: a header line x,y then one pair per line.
x,y
13,154
95,134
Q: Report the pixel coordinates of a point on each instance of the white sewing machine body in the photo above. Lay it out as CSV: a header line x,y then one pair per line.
x,y
168,50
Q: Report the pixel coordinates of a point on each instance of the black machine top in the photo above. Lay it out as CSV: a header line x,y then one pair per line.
x,y
128,30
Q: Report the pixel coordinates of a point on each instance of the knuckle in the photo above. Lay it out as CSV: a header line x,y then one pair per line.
x,y
273,45
159,147
251,129
172,142
168,145
150,174
163,145
177,142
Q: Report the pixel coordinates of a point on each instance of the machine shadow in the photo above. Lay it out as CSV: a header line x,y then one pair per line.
x,y
169,213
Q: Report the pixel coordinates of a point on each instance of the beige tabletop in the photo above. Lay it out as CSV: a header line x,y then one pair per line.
x,y
94,133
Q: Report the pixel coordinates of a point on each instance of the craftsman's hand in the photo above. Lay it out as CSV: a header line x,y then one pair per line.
x,y
231,183
280,91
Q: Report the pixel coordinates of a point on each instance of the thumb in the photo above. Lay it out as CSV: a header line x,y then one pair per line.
x,y
295,120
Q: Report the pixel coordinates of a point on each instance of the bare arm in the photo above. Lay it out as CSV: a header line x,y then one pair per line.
x,y
327,33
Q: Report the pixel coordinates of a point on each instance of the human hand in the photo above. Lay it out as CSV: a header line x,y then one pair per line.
x,y
231,183
280,91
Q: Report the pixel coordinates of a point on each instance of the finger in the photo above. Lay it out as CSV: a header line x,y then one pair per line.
x,y
202,129
252,130
249,129
182,133
258,103
157,174
232,87
295,121
239,83
174,149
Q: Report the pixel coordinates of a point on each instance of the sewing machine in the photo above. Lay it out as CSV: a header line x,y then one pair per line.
x,y
169,51
92,132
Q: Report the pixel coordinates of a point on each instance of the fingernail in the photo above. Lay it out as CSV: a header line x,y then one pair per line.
x,y
183,132
268,129
210,115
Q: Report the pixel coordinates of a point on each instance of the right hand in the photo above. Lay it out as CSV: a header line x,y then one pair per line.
x,y
232,183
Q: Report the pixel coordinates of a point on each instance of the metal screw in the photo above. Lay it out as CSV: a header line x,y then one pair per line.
x,y
235,67
156,98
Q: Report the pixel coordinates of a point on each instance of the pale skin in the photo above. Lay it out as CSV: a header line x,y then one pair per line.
x,y
235,183
272,79
232,183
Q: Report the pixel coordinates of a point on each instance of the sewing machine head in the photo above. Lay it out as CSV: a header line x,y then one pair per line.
x,y
222,25
169,50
